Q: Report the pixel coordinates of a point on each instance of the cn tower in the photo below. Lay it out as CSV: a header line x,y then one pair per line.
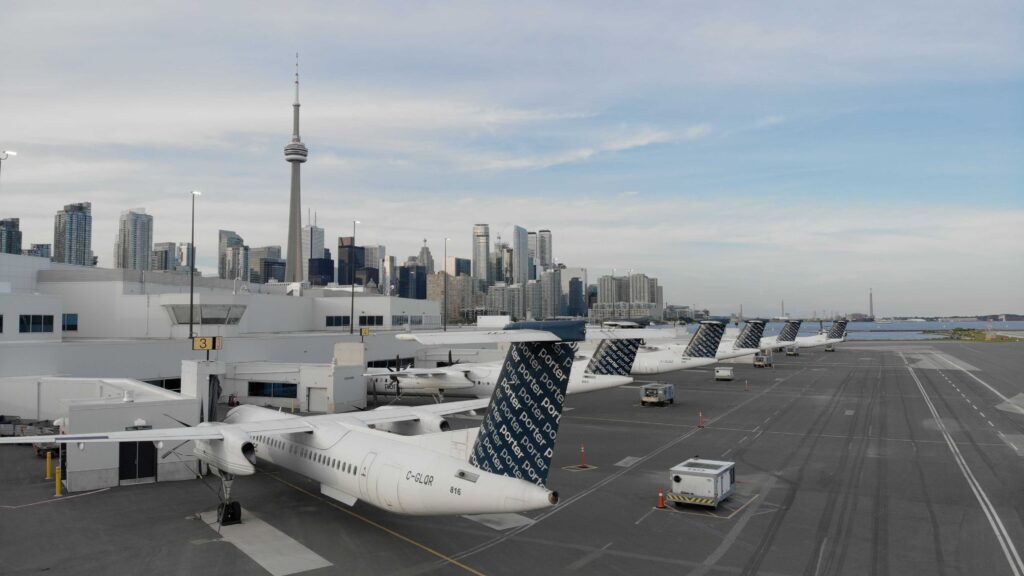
x,y
295,153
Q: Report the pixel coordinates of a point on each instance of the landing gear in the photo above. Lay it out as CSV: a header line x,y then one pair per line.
x,y
228,511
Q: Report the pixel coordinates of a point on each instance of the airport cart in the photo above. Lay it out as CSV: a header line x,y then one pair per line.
x,y
792,351
830,347
723,373
659,393
763,361
702,482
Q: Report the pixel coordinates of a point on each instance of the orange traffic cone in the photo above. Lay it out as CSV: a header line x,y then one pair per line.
x,y
583,456
661,498
700,419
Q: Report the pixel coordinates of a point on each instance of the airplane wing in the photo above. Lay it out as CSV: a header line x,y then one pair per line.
x,y
431,372
474,337
403,413
210,432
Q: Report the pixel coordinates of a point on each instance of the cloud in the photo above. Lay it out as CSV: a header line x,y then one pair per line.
x,y
638,139
699,131
769,121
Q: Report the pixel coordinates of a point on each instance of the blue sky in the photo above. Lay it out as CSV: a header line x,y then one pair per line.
x,y
742,153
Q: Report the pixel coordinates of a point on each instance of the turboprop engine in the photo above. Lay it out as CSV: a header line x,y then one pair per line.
x,y
235,454
425,423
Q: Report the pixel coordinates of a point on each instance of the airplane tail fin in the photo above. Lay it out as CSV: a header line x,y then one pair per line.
x,y
614,357
838,329
789,331
750,336
517,436
705,342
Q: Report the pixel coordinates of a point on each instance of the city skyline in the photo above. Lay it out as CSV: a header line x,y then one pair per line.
x,y
809,169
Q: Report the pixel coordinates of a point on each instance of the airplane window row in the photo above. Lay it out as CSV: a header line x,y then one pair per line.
x,y
308,454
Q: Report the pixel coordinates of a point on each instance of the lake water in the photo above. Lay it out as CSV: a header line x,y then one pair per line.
x,y
895,330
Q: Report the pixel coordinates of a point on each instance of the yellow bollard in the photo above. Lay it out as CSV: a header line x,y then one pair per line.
x,y
58,487
49,465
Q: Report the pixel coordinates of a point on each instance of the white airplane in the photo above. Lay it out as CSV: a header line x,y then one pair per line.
x,y
607,367
835,334
699,352
500,467
786,337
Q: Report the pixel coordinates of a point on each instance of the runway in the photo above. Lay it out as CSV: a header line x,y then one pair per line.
x,y
885,458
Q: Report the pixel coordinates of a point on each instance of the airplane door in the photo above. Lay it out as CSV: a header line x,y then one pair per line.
x,y
387,486
364,472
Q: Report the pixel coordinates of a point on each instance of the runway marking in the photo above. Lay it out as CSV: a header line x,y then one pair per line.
x,y
744,439
277,552
982,414
447,559
588,558
982,382
727,452
1009,550
54,499
991,424
628,461
821,553
644,517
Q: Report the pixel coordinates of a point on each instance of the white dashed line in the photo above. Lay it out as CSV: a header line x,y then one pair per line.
x,y
991,424
744,439
982,414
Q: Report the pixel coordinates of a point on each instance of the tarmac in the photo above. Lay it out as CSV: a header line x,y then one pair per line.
x,y
878,458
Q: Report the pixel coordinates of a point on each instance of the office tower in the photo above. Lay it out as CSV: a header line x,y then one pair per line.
x,y
412,282
456,266
551,293
39,251
577,305
186,256
482,253
133,248
312,247
351,259
256,268
165,256
10,236
295,153
425,258
271,269
520,255
532,263
233,256
544,249
321,270
533,294
531,246
374,255
72,235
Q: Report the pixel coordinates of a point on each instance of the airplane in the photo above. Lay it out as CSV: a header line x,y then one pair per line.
x,y
835,334
608,367
786,337
500,467
699,352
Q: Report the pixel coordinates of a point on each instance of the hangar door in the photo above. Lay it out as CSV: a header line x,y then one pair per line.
x,y
138,462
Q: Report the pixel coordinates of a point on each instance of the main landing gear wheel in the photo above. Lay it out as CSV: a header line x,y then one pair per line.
x,y
228,512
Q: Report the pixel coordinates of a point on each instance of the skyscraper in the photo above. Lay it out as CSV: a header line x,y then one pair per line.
x,y
544,249
38,250
482,253
520,255
426,259
165,256
295,153
233,256
10,236
186,256
351,259
72,235
133,249
312,247
533,265
257,258
456,266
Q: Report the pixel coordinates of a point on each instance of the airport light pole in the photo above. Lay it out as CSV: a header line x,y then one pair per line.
x,y
352,281
444,312
5,155
192,266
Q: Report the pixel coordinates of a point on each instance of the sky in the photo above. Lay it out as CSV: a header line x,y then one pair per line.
x,y
743,153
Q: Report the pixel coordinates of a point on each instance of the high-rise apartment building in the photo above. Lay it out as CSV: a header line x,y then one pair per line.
x,y
72,235
133,249
520,255
233,256
551,293
482,253
544,249
312,247
456,266
186,256
10,236
164,257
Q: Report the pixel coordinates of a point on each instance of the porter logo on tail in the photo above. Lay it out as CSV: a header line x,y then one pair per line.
x,y
705,342
614,357
789,331
750,336
517,436
838,330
